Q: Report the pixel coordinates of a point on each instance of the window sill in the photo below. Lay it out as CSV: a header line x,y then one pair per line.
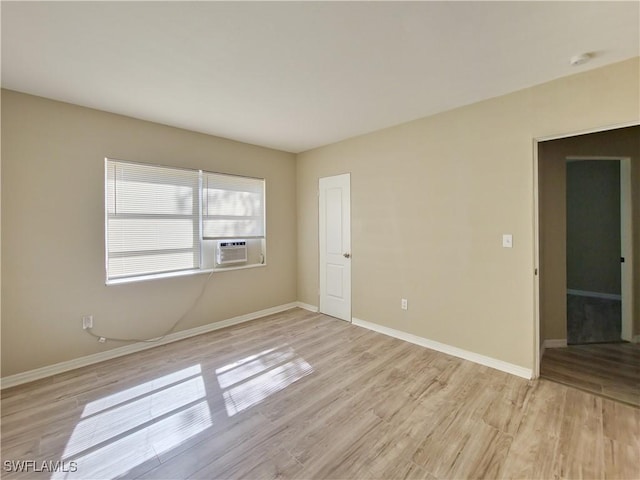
x,y
243,267
182,273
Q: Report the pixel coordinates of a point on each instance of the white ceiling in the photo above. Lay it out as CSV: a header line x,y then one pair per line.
x,y
298,75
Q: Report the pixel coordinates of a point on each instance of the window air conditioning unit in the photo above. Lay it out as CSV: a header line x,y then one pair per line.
x,y
234,251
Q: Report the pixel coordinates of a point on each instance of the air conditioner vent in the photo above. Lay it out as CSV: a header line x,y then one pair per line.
x,y
234,251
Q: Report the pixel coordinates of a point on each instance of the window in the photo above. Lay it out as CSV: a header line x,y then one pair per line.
x,y
161,221
232,206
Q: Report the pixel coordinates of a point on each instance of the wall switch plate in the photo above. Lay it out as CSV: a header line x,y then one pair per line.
x,y
507,240
404,305
87,321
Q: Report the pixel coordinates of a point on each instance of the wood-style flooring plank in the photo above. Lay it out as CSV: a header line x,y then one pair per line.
x,y
299,395
610,370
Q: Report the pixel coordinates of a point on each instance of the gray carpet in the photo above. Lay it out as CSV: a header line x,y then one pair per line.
x,y
593,320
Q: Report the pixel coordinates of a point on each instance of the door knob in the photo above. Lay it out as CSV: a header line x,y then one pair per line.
x,y
346,255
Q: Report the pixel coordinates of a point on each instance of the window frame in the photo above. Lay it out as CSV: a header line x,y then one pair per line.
x,y
198,223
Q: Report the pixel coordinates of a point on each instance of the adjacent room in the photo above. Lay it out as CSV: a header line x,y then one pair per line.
x,y
297,240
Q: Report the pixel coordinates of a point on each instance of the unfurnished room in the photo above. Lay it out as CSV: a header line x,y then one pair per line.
x,y
320,240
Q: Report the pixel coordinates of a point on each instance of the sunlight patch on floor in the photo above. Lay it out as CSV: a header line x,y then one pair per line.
x,y
123,430
139,390
247,382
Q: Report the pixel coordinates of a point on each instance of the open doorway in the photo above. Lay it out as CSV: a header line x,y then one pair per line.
x,y
607,369
594,250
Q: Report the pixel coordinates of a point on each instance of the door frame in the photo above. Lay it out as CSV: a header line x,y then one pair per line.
x,y
538,349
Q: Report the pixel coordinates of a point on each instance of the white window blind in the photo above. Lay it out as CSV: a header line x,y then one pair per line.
x,y
152,219
232,206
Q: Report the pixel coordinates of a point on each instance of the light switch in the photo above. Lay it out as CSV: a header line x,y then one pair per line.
x,y
507,240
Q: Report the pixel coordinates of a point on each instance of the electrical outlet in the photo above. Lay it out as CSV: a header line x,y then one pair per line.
x,y
404,304
87,321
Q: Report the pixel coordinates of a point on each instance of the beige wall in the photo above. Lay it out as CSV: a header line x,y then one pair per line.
x,y
444,189
624,142
553,240
53,232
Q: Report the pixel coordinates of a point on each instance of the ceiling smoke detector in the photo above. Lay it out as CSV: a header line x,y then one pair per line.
x,y
580,59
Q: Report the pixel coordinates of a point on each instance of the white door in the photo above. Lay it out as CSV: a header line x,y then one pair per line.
x,y
335,246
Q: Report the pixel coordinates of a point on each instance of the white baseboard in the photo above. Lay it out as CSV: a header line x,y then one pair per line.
x,y
555,343
448,349
552,343
43,372
584,293
306,306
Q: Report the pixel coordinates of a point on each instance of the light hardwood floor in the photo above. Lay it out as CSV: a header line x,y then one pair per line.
x,y
302,395
609,369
